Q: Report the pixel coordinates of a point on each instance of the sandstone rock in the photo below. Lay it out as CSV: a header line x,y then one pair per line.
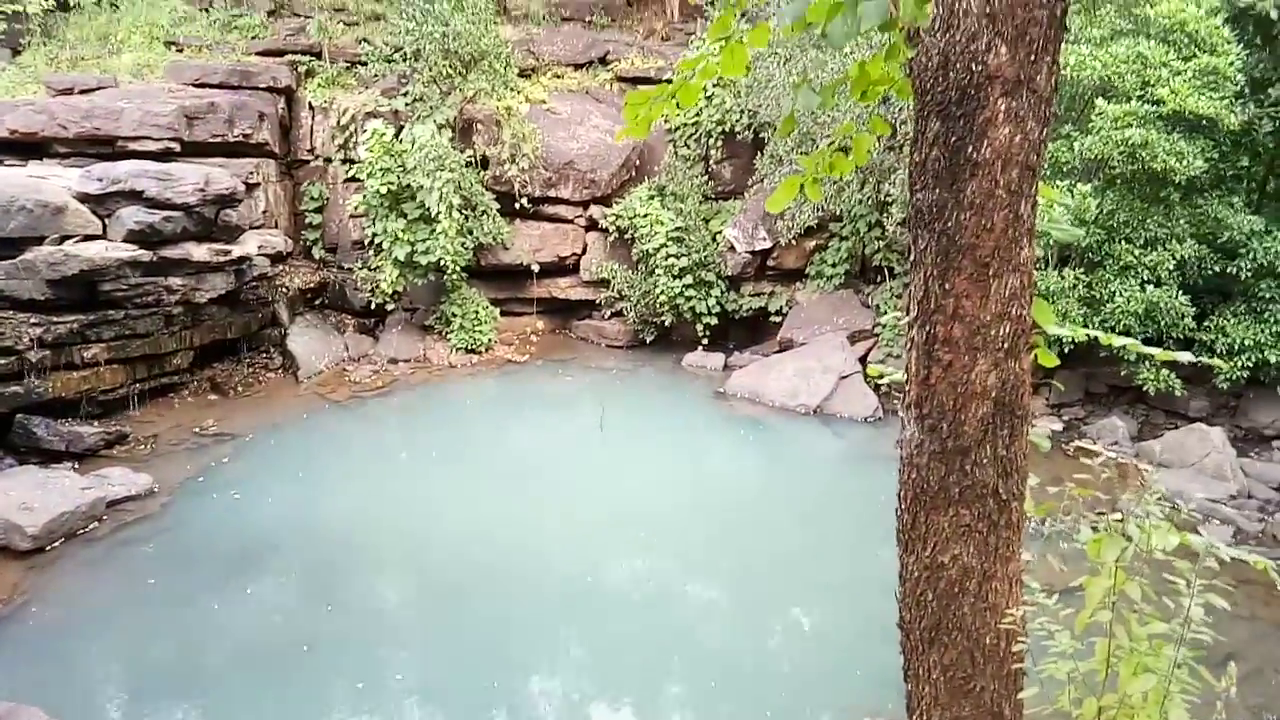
x,y
232,75
403,341
314,346
34,208
511,327
96,381
175,186
52,339
40,506
1195,403
64,84
799,379
1267,473
795,255
1068,387
568,45
853,399
739,264
14,711
732,168
146,226
1202,459
703,360
614,332
1113,432
602,250
1259,411
821,314
564,287
743,358
753,228
245,120
580,157
548,245
359,345
69,437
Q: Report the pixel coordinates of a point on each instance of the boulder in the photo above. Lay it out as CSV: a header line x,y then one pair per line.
x,y
732,167
36,208
794,256
14,711
568,45
548,245
1198,460
602,250
147,226
359,345
821,314
109,186
580,158
1195,403
1068,387
246,121
743,358
1259,411
739,264
1114,432
613,332
40,506
798,380
314,346
1267,473
403,341
853,399
703,360
753,228
65,437
232,75
69,84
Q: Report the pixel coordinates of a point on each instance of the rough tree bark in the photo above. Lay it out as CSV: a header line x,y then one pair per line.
x,y
984,78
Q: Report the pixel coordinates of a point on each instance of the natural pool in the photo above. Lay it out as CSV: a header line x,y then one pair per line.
x,y
545,541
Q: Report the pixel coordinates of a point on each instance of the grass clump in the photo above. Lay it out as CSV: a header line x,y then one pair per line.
x,y
125,39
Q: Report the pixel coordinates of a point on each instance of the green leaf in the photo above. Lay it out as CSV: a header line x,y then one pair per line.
x,y
871,13
807,99
688,94
860,147
902,89
842,29
879,126
734,60
722,26
783,195
813,190
1046,358
787,126
1042,313
758,38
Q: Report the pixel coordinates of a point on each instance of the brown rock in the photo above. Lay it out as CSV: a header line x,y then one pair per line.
x,y
61,84
34,208
67,384
825,313
243,121
733,167
614,332
739,264
232,75
753,228
603,250
795,255
109,186
563,287
548,245
568,45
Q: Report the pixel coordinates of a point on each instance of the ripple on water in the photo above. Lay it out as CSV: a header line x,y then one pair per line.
x,y
544,541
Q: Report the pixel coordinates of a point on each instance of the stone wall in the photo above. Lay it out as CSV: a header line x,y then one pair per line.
x,y
141,228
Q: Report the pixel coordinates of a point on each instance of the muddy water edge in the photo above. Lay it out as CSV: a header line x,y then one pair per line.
x,y
177,436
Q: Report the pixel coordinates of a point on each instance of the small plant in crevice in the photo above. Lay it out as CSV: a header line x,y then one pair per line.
x,y
676,241
315,195
427,212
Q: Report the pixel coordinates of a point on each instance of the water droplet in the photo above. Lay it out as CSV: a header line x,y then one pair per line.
x,y
248,591
359,686
305,648
399,677
151,582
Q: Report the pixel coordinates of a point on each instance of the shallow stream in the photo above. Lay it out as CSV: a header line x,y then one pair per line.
x,y
549,541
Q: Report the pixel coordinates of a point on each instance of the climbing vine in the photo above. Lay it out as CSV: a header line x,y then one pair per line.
x,y
315,195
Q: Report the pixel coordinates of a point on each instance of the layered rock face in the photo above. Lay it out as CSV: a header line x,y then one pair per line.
x,y
140,229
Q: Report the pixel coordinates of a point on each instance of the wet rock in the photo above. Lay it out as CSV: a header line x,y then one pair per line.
x,y
359,345
743,358
602,250
563,287
1068,387
40,506
1267,473
795,255
424,295
1259,411
246,120
568,45
732,167
1197,460
703,360
68,437
739,264
1260,491
1246,524
1194,402
853,399
143,225
67,84
175,186
821,314
798,380
753,229
580,157
232,75
613,332
314,346
31,207
14,711
403,341
548,245
1114,432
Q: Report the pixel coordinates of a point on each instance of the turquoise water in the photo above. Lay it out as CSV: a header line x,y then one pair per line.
x,y
545,542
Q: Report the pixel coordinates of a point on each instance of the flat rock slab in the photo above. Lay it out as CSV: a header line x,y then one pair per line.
x,y
853,399
613,332
232,75
818,315
1198,460
65,437
798,380
40,506
109,186
31,207
547,245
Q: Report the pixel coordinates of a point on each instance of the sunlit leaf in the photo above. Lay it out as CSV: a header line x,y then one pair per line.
x,y
758,38
783,195
734,60
813,190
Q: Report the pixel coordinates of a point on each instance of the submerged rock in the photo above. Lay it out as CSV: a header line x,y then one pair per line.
x,y
798,380
68,437
703,360
40,506
314,346
14,711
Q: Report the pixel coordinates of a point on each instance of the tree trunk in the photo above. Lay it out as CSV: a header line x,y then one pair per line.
x,y
984,77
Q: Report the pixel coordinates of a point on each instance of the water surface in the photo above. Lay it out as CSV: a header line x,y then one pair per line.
x,y
545,541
